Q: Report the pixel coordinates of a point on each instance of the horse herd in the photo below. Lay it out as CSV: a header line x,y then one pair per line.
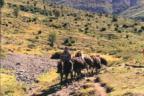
x,y
79,66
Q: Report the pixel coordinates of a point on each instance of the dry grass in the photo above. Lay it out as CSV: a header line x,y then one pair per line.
x,y
124,80
9,85
19,36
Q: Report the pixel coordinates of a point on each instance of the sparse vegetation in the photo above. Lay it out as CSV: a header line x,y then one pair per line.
x,y
2,3
69,41
16,11
35,30
52,39
9,85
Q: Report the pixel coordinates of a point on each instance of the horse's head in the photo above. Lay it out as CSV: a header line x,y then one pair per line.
x,y
78,54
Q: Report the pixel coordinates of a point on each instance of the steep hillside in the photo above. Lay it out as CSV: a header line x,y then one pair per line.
x,y
31,23
31,31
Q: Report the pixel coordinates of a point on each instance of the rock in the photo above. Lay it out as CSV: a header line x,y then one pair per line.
x,y
18,64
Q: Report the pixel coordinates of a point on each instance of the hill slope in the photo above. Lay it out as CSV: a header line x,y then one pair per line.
x,y
31,28
25,31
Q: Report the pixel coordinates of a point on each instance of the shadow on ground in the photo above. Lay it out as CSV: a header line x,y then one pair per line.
x,y
54,88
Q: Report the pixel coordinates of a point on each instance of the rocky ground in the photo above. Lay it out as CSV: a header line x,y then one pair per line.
x,y
26,67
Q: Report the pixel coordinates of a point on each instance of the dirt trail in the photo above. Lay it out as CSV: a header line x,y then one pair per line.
x,y
91,86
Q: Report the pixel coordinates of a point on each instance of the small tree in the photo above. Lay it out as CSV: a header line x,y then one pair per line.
x,y
52,39
16,12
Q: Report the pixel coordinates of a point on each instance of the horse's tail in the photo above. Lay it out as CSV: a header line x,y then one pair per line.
x,y
104,61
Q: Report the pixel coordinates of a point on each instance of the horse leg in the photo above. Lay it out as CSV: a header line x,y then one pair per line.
x,y
93,70
71,73
66,76
61,75
97,70
87,71
76,74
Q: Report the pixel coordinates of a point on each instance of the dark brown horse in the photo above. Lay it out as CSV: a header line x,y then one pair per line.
x,y
65,69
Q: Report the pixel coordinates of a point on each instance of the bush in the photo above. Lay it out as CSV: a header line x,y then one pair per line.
x,y
16,12
140,31
114,19
69,41
103,29
1,3
125,26
142,28
52,39
65,25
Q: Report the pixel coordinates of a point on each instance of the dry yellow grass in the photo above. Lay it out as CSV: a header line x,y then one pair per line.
x,y
123,80
9,85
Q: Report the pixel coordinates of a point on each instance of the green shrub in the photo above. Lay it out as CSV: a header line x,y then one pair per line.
x,y
52,39
69,41
142,28
16,11
103,29
1,3
114,19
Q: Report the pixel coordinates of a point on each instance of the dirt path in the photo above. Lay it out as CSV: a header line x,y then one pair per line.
x,y
91,86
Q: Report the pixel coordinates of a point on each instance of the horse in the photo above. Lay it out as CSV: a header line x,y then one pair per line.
x,y
64,68
98,62
78,66
87,61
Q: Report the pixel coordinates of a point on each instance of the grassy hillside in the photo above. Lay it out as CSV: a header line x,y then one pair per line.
x,y
30,27
28,32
